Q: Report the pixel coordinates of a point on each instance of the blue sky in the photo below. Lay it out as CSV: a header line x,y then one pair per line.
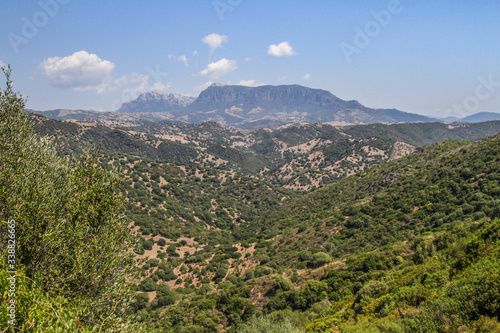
x,y
439,58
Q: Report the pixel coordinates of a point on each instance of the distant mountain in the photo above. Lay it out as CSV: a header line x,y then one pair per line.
x,y
450,119
242,106
104,118
156,101
474,118
75,115
481,117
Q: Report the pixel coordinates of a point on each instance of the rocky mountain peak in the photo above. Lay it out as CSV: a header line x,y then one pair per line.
x,y
156,101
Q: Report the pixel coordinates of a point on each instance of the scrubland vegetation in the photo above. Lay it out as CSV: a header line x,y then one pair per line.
x,y
151,235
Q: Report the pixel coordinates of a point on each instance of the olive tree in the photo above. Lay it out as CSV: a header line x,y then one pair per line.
x,y
71,238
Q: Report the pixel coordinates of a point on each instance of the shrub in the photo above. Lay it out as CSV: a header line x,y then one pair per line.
x,y
147,285
320,259
72,239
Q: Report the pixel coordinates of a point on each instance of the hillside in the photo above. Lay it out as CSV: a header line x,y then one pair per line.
x,y
299,157
409,239
381,248
221,240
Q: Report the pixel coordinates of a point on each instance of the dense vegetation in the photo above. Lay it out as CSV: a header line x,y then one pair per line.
x,y
74,269
373,242
412,245
301,157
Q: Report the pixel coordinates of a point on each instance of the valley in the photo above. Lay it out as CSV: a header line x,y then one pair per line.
x,y
236,166
231,223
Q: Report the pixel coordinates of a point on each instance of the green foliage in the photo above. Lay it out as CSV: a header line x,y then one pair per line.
x,y
282,283
265,324
411,245
320,259
71,239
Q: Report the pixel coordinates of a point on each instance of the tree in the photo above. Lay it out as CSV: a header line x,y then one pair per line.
x,y
320,259
71,238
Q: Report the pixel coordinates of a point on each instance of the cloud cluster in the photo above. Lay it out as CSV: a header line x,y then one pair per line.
x,y
79,71
214,41
249,83
203,86
181,58
144,83
283,49
2,64
219,68
307,76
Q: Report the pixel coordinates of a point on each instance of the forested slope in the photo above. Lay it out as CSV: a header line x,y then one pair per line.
x,y
411,245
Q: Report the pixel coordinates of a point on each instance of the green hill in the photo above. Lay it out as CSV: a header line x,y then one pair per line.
x,y
385,235
411,245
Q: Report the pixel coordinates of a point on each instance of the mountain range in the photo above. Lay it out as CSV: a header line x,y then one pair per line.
x,y
243,107
251,108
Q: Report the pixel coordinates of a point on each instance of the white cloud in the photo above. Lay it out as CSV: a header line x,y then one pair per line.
x,y
214,41
158,86
132,78
79,71
219,68
203,86
307,76
249,83
248,59
181,58
137,83
282,78
283,49
2,64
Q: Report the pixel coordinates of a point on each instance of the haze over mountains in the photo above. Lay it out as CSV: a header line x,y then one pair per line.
x,y
251,108
248,107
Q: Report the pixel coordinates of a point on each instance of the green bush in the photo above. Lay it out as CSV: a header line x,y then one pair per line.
x,y
265,324
147,285
320,259
72,241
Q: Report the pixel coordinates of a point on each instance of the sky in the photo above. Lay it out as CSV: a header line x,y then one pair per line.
x,y
436,58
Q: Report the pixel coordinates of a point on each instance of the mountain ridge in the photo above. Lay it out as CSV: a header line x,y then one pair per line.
x,y
239,106
252,108
156,101
481,117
